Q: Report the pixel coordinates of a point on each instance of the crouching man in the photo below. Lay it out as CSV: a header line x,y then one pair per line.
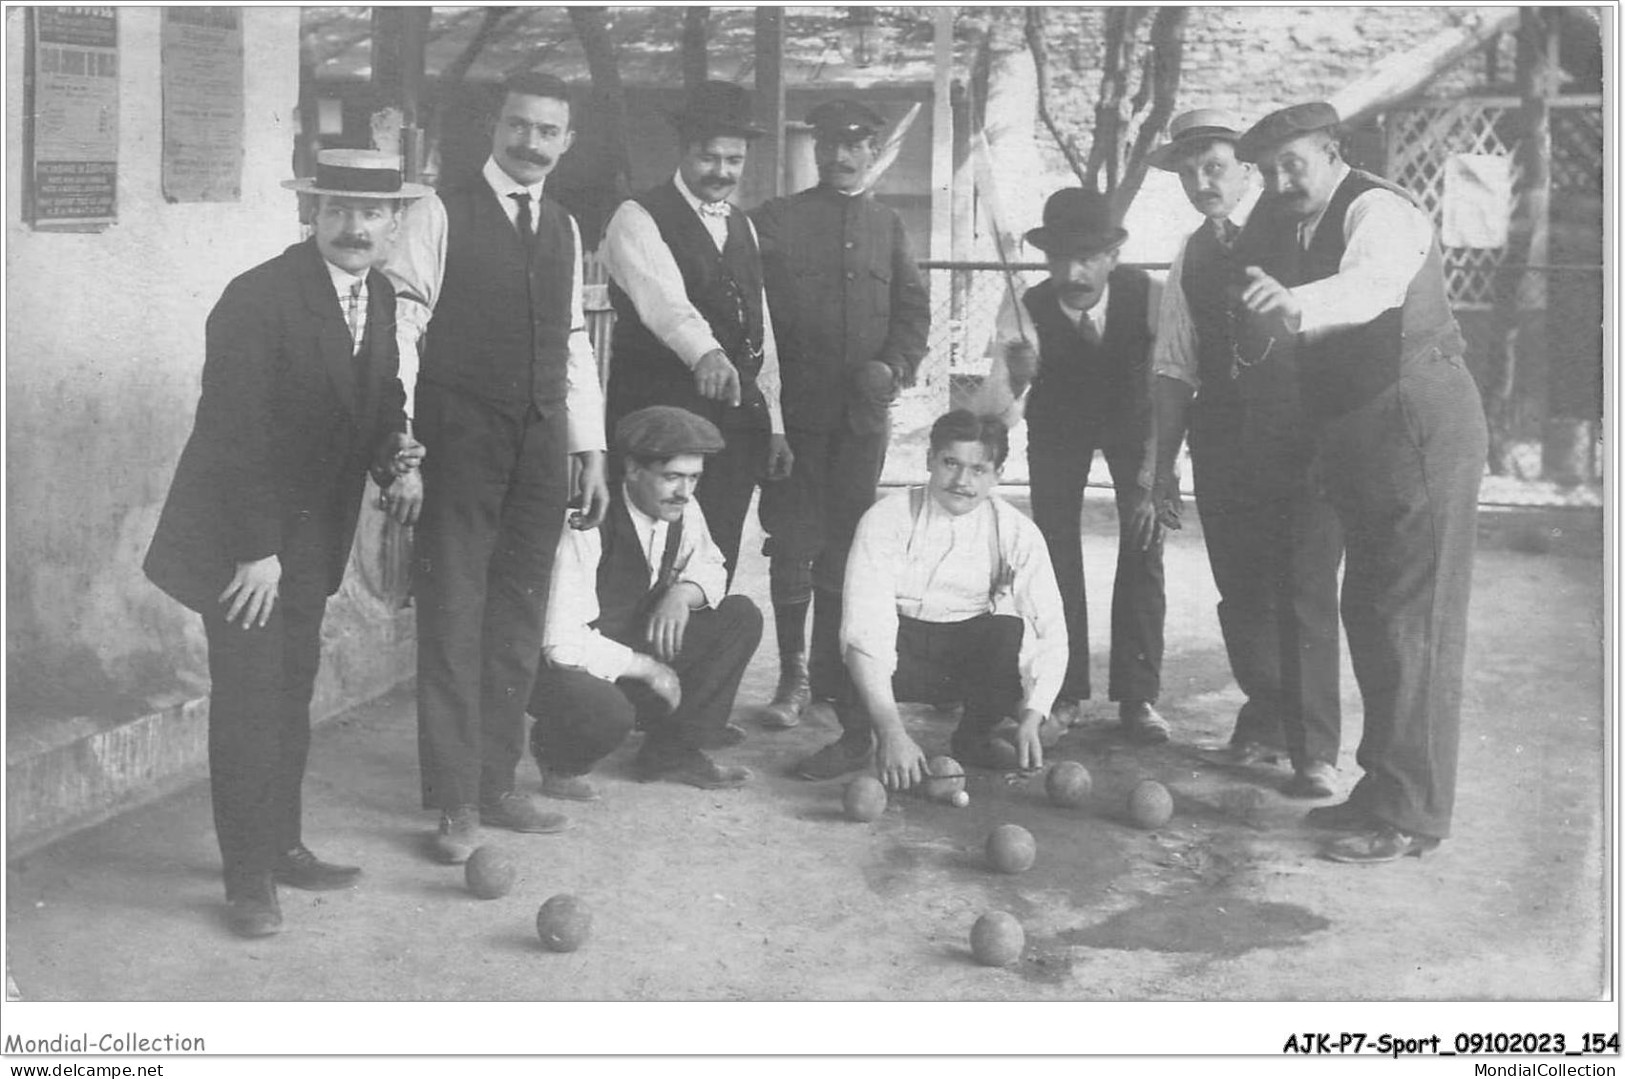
x,y
638,631
949,598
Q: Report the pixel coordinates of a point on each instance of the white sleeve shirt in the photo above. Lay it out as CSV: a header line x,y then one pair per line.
x,y
643,266
1174,353
937,567
417,266
568,637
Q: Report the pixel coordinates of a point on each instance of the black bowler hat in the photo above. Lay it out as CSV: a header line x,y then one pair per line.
x,y
1283,125
1077,224
360,174
662,431
716,109
844,120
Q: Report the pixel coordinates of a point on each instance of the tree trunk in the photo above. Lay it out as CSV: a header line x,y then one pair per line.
x,y
696,63
1008,96
611,170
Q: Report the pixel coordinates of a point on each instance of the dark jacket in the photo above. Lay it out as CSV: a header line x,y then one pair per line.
x,y
287,425
844,291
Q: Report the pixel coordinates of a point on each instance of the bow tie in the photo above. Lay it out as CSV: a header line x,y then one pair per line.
x,y
715,209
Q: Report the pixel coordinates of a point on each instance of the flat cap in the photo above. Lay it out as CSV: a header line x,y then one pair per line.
x,y
662,431
844,120
1283,125
1192,128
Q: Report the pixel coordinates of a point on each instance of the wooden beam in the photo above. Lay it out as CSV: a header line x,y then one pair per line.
x,y
767,153
942,137
1409,73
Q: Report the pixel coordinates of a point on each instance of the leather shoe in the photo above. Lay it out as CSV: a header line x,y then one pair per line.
x,y
1142,723
254,910
569,788
723,737
1380,844
837,759
520,813
691,766
1249,753
792,696
459,834
1316,779
1342,817
994,754
299,868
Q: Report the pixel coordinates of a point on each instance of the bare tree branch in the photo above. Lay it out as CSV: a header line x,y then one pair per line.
x,y
1160,86
1035,43
459,68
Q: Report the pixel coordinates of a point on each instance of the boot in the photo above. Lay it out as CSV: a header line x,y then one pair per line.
x,y
791,698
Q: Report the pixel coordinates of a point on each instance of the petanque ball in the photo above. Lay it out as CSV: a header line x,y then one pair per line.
x,y
563,923
1011,849
865,798
944,778
1068,783
489,873
961,799
997,939
1150,805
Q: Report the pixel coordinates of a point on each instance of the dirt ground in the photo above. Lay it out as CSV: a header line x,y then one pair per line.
x,y
769,894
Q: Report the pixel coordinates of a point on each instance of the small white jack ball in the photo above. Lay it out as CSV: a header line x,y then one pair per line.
x,y
960,799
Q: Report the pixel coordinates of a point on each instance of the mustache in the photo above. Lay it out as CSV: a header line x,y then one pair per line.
x,y
519,153
353,243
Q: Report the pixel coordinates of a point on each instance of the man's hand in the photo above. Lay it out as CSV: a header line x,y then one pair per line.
x,y
779,458
1021,363
253,591
401,454
1168,501
667,623
659,678
1029,749
1144,525
403,499
589,489
1268,298
716,377
899,761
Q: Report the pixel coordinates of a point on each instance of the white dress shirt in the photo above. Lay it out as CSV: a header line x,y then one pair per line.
x,y
1174,353
568,638
938,567
643,266
1386,239
417,266
343,282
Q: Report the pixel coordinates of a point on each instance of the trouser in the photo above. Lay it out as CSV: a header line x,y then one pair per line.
x,y
810,519
580,718
1059,472
1402,472
975,663
726,487
495,493
1274,558
261,680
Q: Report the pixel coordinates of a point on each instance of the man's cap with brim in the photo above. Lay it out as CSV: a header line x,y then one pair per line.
x,y
1284,125
844,120
663,431
1077,224
358,174
717,109
1190,130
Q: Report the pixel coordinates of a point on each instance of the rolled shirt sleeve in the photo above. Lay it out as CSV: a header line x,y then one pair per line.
x,y
1173,353
1386,240
869,594
643,266
416,267
568,637
995,396
703,565
584,392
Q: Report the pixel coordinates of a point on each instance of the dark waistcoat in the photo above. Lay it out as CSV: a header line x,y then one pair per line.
x,y
1083,383
724,286
1347,368
624,594
501,327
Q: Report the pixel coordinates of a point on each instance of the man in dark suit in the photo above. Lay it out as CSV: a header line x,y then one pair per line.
x,y
851,316
300,398
1076,360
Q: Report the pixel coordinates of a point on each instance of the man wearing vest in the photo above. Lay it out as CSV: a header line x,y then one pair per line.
x,y
686,284
1273,542
1084,385
851,316
639,632
1400,446
300,398
508,404
949,599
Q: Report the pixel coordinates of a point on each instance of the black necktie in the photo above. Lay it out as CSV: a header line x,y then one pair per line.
x,y
526,233
1227,233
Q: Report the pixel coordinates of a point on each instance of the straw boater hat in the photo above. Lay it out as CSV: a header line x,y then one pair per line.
x,y
358,174
1077,224
1192,129
1286,124
717,109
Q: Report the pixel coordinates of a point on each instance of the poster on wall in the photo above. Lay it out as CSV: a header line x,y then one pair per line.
x,y
203,104
73,170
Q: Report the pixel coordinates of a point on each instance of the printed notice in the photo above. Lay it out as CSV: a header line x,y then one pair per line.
x,y
203,104
74,184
